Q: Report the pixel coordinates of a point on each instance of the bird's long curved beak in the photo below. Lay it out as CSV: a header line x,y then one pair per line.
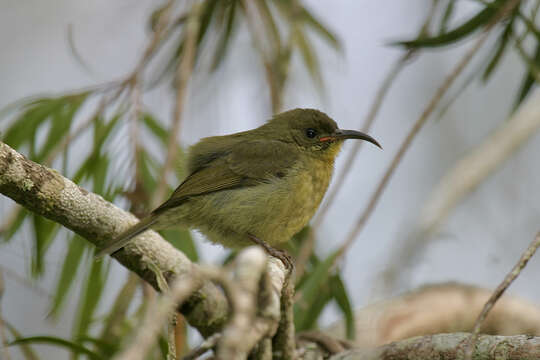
x,y
351,134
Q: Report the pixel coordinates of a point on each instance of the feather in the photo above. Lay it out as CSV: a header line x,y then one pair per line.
x,y
121,240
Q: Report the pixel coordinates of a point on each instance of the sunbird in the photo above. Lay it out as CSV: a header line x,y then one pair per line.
x,y
257,186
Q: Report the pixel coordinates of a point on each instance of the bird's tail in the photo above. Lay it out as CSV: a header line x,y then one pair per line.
x,y
121,240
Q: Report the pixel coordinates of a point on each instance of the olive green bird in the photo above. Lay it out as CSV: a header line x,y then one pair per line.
x,y
261,185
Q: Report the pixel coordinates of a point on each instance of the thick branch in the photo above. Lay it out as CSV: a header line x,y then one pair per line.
x,y
45,192
451,346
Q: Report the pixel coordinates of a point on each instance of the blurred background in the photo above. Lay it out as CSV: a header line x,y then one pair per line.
x,y
337,64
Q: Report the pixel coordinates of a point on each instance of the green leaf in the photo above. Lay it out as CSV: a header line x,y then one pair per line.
x,y
8,233
528,23
163,346
182,240
476,22
270,26
102,130
500,50
312,298
339,292
155,128
70,267
447,15
44,232
207,13
149,169
84,170
105,348
226,35
307,319
51,340
322,30
26,349
99,172
309,57
112,327
60,123
34,114
529,79
90,297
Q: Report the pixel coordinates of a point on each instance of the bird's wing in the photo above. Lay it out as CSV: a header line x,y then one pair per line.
x,y
245,164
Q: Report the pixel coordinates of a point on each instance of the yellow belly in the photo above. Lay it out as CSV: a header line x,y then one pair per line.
x,y
272,211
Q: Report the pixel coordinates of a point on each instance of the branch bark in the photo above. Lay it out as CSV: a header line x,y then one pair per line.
x,y
47,193
451,346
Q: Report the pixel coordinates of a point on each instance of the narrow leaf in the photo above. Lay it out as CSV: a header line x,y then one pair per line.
x,y
102,130
60,123
447,15
500,50
271,27
480,19
529,79
34,115
339,292
226,35
70,267
306,319
322,30
44,232
51,340
155,128
111,329
309,57
105,348
99,172
310,291
8,233
26,349
90,297
182,240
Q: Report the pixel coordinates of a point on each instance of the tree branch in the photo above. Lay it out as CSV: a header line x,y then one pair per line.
x,y
47,193
450,346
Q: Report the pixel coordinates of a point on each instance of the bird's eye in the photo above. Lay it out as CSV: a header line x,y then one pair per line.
x,y
311,133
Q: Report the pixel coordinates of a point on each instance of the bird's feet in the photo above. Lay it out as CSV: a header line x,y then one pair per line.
x,y
282,255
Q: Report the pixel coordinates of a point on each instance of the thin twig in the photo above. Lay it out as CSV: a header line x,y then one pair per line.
x,y
171,330
499,291
183,75
159,32
359,225
136,110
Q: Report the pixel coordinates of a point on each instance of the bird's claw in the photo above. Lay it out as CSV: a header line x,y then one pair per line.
x,y
282,255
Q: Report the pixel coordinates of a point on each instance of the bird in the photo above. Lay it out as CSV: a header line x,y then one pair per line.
x,y
258,186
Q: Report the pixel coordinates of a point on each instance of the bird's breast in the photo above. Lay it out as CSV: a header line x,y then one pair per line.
x,y
308,184
273,210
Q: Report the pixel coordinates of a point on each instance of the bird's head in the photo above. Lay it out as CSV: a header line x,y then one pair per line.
x,y
313,131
